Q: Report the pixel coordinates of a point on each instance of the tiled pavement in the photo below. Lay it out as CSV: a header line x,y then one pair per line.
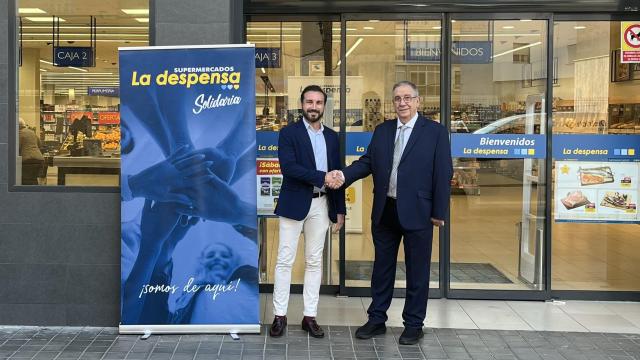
x,y
105,343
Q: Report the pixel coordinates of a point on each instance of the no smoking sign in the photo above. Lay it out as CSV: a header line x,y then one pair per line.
x,y
630,42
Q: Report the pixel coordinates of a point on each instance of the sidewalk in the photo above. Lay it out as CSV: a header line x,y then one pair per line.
x,y
455,330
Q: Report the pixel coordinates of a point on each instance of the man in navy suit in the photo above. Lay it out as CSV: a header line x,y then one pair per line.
x,y
307,151
410,160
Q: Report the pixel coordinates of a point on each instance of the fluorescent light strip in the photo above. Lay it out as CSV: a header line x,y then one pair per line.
x,y
517,49
353,47
91,73
43,19
78,34
31,11
142,20
273,35
62,27
79,69
46,62
273,29
135,11
85,40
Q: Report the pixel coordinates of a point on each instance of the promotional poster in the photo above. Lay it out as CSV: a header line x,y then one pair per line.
x,y
188,190
596,191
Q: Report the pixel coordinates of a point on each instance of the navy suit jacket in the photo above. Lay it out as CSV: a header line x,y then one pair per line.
x,y
299,174
424,172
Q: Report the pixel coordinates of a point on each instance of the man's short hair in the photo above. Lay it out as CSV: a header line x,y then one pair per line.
x,y
406,83
314,88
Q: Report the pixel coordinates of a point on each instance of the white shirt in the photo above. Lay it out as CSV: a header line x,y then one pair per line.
x,y
319,145
407,132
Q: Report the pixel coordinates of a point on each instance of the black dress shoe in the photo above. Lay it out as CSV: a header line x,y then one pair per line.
x,y
369,330
411,336
278,326
310,325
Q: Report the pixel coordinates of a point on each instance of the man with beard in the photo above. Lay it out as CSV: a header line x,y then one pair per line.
x,y
307,151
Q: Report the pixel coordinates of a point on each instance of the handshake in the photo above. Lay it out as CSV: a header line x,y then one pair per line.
x,y
334,179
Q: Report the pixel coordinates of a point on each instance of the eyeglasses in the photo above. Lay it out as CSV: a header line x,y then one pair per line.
x,y
405,98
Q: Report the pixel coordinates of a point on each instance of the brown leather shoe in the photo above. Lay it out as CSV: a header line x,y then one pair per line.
x,y
278,326
310,325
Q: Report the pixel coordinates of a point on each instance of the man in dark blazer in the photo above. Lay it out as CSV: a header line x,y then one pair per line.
x,y
410,160
308,152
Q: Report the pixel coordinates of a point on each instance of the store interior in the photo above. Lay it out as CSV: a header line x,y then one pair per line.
x,y
74,111
490,95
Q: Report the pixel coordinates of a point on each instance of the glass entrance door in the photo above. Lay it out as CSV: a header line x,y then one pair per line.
x,y
379,53
498,88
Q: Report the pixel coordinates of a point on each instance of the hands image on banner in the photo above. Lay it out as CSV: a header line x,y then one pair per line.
x,y
188,185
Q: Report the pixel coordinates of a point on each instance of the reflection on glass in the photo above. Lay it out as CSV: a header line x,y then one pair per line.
x,y
290,56
69,116
379,54
497,205
593,94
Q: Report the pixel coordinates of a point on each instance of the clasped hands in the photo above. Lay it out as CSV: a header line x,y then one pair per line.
x,y
334,179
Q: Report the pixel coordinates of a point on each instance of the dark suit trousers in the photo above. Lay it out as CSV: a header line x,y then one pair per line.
x,y
417,249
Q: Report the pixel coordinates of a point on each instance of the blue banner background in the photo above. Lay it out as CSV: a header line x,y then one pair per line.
x,y
188,159
471,146
596,147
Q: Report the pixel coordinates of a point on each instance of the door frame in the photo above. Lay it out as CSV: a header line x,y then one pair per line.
x,y
346,17
529,294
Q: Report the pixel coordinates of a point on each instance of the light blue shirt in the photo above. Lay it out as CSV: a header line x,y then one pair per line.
x,y
407,132
319,149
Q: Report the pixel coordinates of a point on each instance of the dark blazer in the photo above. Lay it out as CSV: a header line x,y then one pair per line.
x,y
424,172
298,166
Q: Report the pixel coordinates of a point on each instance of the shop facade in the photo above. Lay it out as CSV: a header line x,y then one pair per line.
x,y
540,75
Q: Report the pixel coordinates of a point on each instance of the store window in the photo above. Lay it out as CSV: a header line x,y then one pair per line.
x,y
498,191
596,127
68,105
290,56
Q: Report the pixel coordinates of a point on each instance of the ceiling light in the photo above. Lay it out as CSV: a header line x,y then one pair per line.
x,y
78,34
436,27
516,49
368,28
43,19
353,47
31,11
75,68
45,70
525,20
87,40
84,27
579,27
374,20
264,72
46,62
508,27
135,11
142,20
453,21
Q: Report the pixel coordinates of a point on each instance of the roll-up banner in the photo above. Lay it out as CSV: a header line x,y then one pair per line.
x,y
188,190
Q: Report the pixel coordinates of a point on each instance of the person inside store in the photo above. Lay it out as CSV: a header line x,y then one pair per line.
x,y
307,151
29,150
410,160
